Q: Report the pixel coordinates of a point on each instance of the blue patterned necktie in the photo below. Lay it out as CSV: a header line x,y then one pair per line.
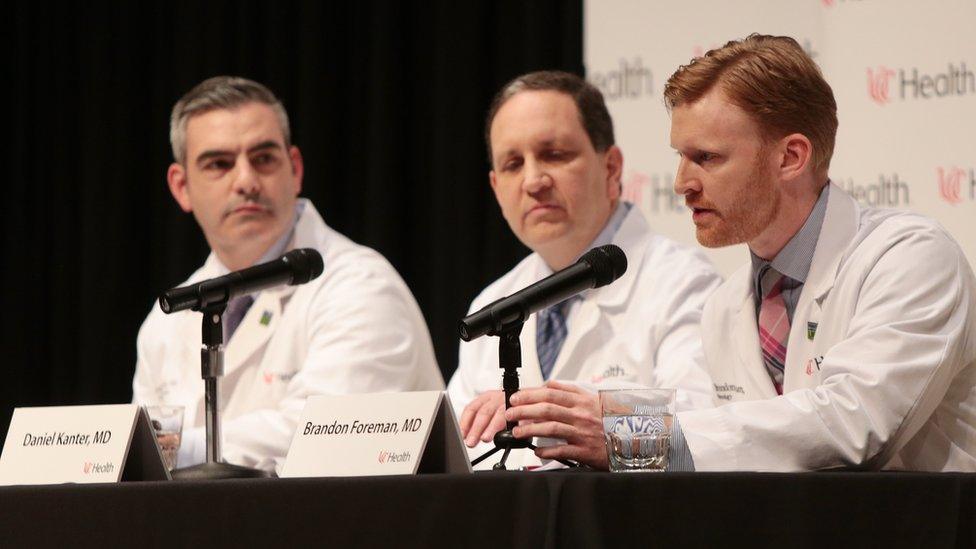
x,y
550,335
234,314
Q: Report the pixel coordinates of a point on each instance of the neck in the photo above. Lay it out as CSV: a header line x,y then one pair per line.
x,y
241,257
794,209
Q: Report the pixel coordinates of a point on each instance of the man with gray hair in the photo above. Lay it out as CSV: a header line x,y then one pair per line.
x,y
556,174
354,329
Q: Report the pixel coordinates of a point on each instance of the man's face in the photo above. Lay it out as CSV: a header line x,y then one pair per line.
x,y
723,171
240,181
554,189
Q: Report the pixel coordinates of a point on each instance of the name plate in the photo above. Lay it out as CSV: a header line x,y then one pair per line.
x,y
376,434
81,444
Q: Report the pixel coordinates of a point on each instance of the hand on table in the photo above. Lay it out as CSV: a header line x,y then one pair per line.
x,y
564,411
483,417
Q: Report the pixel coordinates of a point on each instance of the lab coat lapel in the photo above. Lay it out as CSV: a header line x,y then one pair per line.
x,y
747,355
631,237
839,227
255,329
584,320
531,373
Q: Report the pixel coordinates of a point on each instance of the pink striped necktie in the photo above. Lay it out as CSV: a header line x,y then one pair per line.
x,y
774,326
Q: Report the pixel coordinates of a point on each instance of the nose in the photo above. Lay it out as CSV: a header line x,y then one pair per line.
x,y
536,178
246,180
686,181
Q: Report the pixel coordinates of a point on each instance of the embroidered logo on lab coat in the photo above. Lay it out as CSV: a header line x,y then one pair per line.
x,y
265,318
271,377
814,365
726,391
811,330
614,370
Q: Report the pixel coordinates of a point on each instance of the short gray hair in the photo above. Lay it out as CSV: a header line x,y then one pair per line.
x,y
589,102
220,92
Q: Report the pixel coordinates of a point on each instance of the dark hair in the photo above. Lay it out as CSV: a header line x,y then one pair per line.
x,y
589,102
220,92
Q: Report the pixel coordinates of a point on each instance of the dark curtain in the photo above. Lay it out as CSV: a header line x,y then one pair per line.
x,y
387,101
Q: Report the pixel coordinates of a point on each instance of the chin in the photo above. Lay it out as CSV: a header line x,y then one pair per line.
x,y
543,236
711,238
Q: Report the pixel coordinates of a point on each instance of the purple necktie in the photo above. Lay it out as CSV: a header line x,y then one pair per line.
x,y
234,314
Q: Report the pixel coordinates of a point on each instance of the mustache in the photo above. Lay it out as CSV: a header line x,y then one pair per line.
x,y
261,201
697,202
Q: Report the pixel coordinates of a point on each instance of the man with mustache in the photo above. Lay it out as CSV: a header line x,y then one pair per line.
x,y
849,339
354,329
556,174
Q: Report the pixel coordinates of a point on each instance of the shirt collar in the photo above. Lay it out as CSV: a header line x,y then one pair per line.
x,y
795,258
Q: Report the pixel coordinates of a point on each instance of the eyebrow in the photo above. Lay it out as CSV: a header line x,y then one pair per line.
x,y
214,153
265,145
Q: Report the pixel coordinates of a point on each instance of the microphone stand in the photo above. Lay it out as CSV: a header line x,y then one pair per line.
x,y
510,360
212,368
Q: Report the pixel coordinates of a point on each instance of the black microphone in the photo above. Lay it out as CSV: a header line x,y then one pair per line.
x,y
295,267
598,267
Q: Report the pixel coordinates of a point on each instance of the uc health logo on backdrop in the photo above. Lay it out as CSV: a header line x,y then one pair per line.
x,y
885,84
956,185
653,192
630,79
888,191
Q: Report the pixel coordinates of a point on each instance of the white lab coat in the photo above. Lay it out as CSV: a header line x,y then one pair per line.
x,y
641,330
354,329
886,381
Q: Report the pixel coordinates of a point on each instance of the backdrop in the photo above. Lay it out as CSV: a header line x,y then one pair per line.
x,y
903,73
387,101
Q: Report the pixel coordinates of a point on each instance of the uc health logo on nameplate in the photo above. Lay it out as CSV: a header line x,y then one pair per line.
x,y
56,444
362,435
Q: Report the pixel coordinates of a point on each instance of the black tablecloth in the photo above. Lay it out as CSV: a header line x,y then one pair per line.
x,y
559,509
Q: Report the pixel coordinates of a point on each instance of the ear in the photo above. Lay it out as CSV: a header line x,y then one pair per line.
x,y
796,153
493,180
176,177
614,163
297,167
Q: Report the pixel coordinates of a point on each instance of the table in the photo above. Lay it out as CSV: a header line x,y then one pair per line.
x,y
498,509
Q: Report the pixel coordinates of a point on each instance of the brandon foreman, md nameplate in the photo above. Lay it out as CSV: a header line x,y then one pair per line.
x,y
359,428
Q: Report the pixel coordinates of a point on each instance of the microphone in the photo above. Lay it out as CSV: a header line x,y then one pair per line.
x,y
294,268
598,267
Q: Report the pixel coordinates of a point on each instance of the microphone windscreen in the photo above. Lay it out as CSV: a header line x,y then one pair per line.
x,y
608,263
306,263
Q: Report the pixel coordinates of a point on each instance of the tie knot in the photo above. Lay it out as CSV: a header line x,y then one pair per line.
x,y
559,309
770,280
238,304
234,314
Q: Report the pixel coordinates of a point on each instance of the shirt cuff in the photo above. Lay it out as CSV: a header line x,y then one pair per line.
x,y
679,456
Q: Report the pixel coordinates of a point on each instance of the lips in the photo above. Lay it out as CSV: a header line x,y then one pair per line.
x,y
249,209
542,209
699,213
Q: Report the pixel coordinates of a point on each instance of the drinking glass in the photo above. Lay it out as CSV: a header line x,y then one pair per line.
x,y
167,422
637,426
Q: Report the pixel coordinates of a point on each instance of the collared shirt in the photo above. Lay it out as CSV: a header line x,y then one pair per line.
x,y
793,260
